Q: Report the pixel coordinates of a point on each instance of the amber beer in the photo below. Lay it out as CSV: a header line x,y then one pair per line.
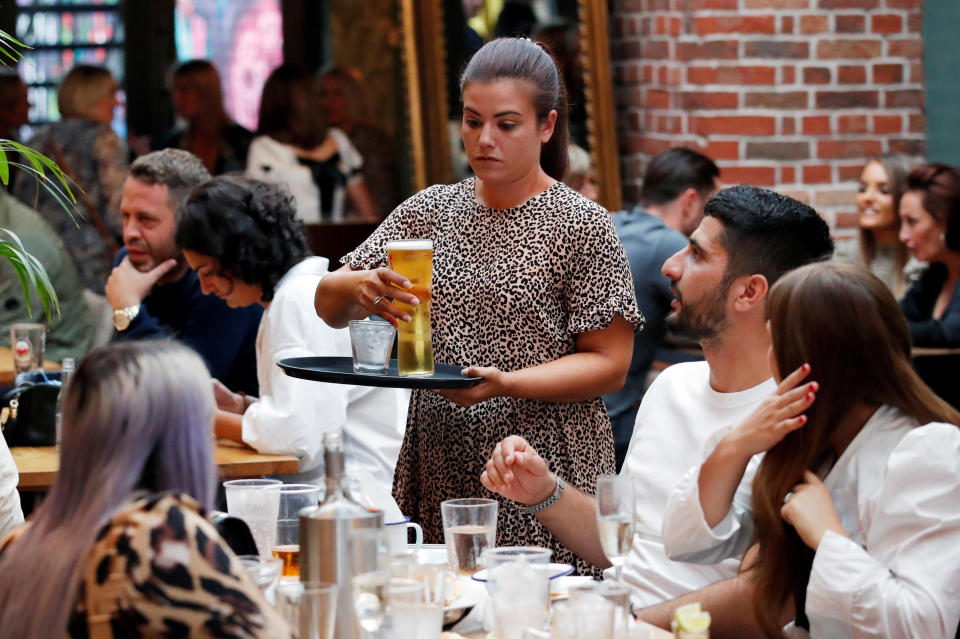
x,y
290,555
414,260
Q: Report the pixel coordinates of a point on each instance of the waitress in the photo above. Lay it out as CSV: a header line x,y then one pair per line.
x,y
531,291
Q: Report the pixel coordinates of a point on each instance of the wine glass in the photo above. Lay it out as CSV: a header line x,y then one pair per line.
x,y
616,518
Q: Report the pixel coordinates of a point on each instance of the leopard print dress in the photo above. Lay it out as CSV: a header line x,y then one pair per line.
x,y
511,289
159,569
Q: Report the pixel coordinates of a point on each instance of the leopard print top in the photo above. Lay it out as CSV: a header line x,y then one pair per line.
x,y
512,289
159,569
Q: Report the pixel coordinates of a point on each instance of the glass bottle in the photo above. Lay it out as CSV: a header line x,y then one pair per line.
x,y
66,372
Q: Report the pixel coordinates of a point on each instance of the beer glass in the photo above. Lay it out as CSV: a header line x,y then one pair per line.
x,y
293,499
414,260
28,342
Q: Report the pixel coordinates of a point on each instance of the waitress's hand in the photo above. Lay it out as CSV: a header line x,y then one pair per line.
x,y
810,510
376,294
493,385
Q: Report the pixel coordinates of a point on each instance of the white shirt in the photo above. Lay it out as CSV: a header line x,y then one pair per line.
x,y
277,163
293,414
896,489
11,515
678,414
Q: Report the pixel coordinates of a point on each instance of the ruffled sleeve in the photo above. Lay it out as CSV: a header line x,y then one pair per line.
x,y
599,285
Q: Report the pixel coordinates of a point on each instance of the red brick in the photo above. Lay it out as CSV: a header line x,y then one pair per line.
x,y
851,75
908,147
887,73
907,48
777,4
776,49
817,174
918,123
756,175
734,125
655,50
829,149
699,5
735,24
915,5
814,24
816,125
886,23
916,72
851,24
816,75
711,50
777,100
884,124
852,124
915,22
847,220
847,4
702,75
656,99
831,49
849,172
788,126
847,99
907,98
732,75
705,100
788,75
786,24
788,175
722,150
778,150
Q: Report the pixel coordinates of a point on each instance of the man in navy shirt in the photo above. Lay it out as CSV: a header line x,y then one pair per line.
x,y
675,187
153,291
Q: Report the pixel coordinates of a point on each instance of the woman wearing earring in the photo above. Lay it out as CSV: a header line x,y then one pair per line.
x,y
930,213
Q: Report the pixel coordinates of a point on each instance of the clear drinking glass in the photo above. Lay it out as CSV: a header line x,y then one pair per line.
x,y
265,571
520,595
371,342
310,608
416,605
27,344
370,564
616,518
293,499
469,528
257,502
414,260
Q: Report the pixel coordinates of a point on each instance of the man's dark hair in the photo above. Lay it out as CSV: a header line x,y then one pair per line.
x,y
249,227
767,233
674,171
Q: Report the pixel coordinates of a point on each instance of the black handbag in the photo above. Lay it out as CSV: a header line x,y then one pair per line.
x,y
28,412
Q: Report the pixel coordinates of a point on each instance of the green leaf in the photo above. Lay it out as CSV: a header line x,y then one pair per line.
x,y
4,168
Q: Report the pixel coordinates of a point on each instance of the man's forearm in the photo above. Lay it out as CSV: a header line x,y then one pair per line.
x,y
573,521
729,602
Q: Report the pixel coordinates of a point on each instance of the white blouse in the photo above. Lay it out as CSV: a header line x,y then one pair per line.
x,y
11,515
896,489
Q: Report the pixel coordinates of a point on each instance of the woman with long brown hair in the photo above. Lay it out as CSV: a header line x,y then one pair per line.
x,y
854,506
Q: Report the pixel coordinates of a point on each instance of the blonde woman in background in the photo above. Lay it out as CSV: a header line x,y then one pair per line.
x,y
881,185
205,129
580,175
87,149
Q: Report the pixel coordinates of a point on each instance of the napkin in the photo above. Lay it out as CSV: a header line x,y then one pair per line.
x,y
373,494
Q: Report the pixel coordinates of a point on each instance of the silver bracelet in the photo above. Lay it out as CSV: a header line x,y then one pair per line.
x,y
549,501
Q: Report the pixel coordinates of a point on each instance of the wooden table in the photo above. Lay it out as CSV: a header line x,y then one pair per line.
x,y
7,373
923,351
38,465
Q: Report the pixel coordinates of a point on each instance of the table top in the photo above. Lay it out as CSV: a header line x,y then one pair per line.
x,y
924,351
38,465
6,367
638,630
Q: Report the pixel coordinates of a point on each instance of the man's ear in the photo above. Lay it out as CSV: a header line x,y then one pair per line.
x,y
751,291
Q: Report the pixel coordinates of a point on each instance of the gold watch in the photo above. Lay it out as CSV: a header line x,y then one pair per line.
x,y
123,316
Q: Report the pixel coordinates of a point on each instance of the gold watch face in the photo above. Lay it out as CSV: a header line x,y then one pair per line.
x,y
121,319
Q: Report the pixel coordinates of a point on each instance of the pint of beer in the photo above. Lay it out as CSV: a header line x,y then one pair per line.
x,y
414,260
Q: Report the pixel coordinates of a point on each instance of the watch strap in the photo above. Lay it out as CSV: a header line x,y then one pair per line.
x,y
549,501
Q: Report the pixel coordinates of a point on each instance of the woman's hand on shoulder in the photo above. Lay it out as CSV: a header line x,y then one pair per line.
x,y
809,509
776,416
516,471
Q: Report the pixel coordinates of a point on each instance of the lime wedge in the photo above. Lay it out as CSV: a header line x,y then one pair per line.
x,y
690,618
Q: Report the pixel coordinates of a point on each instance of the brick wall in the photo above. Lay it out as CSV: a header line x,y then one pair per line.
x,y
788,94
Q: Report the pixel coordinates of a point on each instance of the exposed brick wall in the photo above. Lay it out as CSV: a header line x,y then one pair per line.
x,y
788,94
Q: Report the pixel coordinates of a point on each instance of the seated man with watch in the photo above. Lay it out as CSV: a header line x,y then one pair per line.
x,y
153,291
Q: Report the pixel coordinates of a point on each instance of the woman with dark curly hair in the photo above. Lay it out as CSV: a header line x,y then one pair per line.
x,y
242,239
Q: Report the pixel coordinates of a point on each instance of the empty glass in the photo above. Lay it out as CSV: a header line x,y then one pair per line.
x,y
257,502
27,344
310,608
616,518
416,605
469,528
293,499
372,343
265,571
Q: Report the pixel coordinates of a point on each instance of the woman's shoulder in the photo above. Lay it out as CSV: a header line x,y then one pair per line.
x,y
932,448
155,509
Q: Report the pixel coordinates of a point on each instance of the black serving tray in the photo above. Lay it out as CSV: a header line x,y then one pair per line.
x,y
339,370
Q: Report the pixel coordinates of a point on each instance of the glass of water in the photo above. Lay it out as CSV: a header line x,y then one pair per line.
x,y
616,518
370,565
416,605
372,343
